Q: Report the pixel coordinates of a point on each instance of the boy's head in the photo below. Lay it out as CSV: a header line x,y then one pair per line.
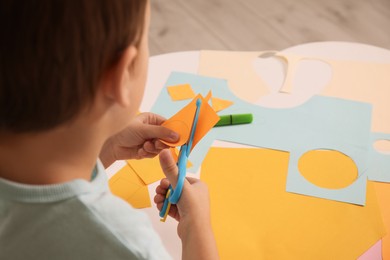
x,y
54,56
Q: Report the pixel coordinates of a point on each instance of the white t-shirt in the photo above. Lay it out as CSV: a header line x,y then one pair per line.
x,y
73,220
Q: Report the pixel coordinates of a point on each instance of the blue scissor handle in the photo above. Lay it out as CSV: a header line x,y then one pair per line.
x,y
182,164
175,194
165,205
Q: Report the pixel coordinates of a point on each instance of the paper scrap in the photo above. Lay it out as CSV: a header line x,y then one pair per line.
x,y
208,96
128,186
251,212
181,92
220,104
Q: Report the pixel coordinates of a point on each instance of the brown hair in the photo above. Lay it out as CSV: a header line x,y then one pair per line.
x,y
53,54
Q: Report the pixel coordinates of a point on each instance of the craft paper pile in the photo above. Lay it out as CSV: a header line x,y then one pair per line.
x,y
354,80
316,125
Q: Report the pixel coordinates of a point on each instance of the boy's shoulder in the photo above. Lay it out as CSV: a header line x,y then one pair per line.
x,y
88,225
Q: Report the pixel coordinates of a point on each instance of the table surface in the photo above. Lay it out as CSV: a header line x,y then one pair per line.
x,y
161,66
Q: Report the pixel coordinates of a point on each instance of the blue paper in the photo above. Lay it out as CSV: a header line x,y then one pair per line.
x,y
320,123
379,163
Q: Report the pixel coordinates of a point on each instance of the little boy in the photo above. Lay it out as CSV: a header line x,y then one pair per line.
x,y
72,76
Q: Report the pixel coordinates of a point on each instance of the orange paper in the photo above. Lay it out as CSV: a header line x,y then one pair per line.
x,y
175,156
181,92
128,186
207,98
182,122
220,104
253,217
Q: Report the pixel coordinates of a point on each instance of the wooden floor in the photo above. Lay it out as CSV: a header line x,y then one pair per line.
x,y
255,25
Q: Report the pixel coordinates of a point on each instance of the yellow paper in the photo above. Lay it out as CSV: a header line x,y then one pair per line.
x,y
182,122
253,217
181,92
148,169
128,186
383,193
220,104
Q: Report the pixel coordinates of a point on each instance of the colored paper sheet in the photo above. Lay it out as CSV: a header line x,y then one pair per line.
x,y
379,163
255,218
361,81
183,120
220,104
365,82
383,193
148,169
374,253
320,123
128,186
243,81
181,92
296,182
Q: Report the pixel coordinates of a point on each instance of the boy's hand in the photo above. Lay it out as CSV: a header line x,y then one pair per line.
x,y
193,206
192,211
138,140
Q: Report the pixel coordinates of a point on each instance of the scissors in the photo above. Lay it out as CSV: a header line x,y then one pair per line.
x,y
173,195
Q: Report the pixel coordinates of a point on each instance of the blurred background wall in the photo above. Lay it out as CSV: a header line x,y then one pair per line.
x,y
255,25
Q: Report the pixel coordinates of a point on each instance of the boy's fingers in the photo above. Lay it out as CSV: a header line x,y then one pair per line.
x,y
149,147
159,198
151,118
161,190
159,145
168,165
159,132
163,187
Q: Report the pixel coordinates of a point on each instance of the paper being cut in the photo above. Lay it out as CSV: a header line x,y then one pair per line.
x,y
182,122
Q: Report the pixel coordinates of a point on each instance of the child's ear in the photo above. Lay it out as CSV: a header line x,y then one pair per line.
x,y
116,81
